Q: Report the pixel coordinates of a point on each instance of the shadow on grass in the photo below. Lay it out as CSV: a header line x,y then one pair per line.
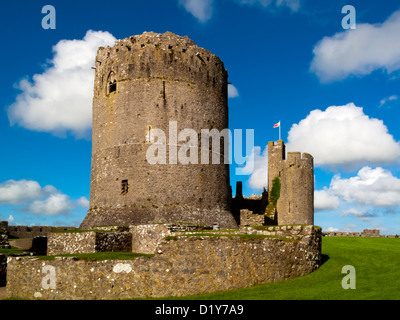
x,y
324,258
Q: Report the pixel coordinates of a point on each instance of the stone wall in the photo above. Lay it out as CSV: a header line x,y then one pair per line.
x,y
4,244
370,233
76,242
182,265
248,218
88,242
353,234
113,242
364,233
23,232
146,238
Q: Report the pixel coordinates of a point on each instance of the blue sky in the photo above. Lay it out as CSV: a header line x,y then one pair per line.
x,y
336,92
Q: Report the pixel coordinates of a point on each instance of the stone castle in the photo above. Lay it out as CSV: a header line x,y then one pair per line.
x,y
200,237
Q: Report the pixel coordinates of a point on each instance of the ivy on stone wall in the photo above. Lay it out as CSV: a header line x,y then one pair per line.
x,y
273,198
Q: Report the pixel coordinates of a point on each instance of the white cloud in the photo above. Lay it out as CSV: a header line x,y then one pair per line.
x,y
55,204
35,199
18,192
10,219
294,5
232,91
324,200
359,52
257,167
201,9
387,100
332,229
60,99
344,136
376,187
83,202
358,214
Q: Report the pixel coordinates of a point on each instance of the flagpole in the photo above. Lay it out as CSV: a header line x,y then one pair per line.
x,y
279,130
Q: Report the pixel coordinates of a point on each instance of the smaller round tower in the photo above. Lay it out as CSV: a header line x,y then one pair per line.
x,y
296,176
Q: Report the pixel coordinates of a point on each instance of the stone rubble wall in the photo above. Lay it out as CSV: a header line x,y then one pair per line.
x,y
4,244
88,242
370,233
182,265
74,243
113,242
23,232
147,237
248,218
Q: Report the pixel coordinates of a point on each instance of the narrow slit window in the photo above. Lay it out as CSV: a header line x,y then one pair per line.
x,y
113,86
164,90
124,187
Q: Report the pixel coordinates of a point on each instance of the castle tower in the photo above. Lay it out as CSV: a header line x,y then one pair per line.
x,y
296,176
143,83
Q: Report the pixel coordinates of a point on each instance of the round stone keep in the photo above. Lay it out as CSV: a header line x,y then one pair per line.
x,y
145,85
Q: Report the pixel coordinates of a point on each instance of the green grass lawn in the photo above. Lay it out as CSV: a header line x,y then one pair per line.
x,y
377,265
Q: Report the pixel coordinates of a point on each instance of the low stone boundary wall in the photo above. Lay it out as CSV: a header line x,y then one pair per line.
x,y
182,265
23,232
370,233
88,242
364,233
4,244
295,232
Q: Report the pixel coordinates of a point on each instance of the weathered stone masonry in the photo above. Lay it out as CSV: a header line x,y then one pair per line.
x,y
141,84
89,242
216,263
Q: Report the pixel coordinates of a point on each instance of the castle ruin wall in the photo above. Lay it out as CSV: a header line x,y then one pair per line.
x,y
216,263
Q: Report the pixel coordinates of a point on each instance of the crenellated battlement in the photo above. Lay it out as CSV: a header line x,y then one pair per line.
x,y
297,158
165,57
